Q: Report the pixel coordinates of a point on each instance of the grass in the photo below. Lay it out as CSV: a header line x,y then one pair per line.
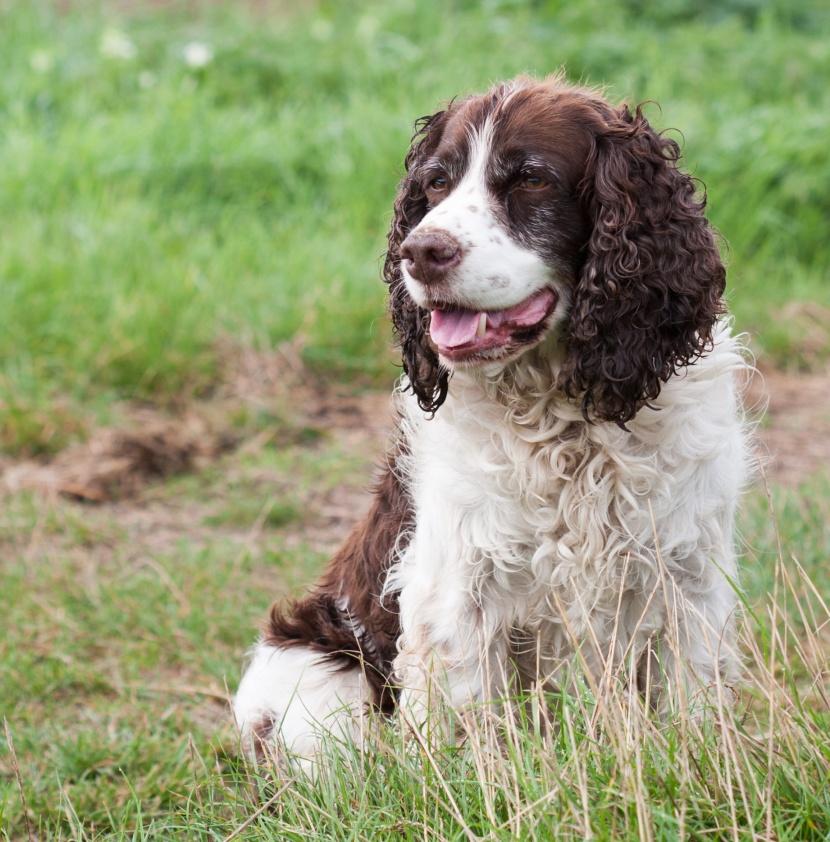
x,y
159,218
151,209
124,627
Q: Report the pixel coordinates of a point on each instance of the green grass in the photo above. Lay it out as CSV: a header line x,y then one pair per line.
x,y
150,209
123,627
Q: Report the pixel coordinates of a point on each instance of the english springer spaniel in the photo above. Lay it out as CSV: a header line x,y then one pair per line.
x,y
570,447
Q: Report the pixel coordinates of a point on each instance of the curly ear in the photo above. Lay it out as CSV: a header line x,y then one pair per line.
x,y
427,378
650,289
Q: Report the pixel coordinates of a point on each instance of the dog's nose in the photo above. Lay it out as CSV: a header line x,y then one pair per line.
x,y
430,255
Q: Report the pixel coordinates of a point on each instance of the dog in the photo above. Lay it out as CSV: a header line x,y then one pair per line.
x,y
570,447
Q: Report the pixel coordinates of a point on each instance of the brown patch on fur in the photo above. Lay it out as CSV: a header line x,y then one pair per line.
x,y
343,616
650,290
263,738
427,378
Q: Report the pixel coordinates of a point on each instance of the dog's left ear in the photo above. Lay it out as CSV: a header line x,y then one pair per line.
x,y
650,289
428,379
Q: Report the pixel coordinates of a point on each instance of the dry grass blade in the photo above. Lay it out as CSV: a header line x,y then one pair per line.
x,y
16,770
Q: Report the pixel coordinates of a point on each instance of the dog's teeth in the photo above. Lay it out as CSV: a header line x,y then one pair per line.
x,y
482,325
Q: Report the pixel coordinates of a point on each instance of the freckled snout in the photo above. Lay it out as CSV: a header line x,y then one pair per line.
x,y
429,255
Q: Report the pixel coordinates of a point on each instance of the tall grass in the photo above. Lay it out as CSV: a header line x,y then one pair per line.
x,y
149,207
594,762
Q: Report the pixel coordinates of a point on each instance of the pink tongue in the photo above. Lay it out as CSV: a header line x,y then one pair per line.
x,y
453,328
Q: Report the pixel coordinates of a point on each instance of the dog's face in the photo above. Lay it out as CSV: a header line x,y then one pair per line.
x,y
496,253
538,209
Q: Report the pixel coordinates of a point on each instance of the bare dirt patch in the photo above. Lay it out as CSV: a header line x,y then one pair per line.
x,y
117,463
794,432
263,398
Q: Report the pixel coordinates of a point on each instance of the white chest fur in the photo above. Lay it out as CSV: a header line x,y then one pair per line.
x,y
531,521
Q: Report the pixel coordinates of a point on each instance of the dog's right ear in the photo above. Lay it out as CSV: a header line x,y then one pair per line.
x,y
651,287
428,379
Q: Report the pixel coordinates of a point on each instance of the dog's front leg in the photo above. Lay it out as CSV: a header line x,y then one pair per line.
x,y
450,652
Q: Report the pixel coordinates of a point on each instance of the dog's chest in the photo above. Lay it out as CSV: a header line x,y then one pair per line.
x,y
519,504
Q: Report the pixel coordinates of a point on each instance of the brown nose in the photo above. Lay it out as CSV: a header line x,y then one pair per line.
x,y
429,255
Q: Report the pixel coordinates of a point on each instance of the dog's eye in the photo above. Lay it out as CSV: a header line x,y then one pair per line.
x,y
438,184
532,182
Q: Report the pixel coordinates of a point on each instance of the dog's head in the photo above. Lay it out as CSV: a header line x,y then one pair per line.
x,y
539,210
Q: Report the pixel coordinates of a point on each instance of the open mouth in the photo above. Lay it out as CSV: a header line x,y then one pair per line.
x,y
461,334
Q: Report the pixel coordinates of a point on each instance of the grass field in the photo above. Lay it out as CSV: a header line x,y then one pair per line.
x,y
193,207
150,208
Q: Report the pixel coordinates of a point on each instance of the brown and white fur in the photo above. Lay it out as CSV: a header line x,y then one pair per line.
x,y
562,476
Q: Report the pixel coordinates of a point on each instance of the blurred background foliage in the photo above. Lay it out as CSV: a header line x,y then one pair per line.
x,y
176,175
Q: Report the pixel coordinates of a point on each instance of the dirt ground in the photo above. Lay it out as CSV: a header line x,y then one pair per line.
x,y
794,432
